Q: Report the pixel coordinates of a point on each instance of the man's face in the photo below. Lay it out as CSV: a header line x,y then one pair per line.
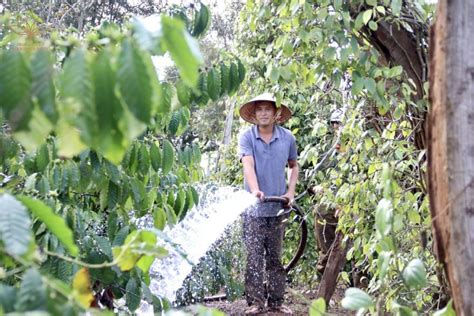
x,y
335,125
265,113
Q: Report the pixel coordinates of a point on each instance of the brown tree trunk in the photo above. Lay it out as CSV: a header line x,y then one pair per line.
x,y
451,146
336,260
399,46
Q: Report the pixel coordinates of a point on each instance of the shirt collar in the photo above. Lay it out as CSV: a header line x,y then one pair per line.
x,y
275,134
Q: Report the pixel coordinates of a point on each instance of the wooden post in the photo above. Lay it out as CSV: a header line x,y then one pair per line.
x,y
451,146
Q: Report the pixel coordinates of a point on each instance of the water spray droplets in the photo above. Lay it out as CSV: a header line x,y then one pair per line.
x,y
218,208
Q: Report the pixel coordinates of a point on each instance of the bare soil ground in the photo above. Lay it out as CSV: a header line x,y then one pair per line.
x,y
298,300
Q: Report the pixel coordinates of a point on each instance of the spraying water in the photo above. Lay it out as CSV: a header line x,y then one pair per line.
x,y
193,236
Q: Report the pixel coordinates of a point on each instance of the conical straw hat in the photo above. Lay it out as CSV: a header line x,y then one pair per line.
x,y
247,110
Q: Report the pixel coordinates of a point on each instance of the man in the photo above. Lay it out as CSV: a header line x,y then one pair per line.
x,y
326,213
265,150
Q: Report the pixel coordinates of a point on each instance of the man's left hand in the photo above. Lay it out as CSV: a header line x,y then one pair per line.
x,y
290,198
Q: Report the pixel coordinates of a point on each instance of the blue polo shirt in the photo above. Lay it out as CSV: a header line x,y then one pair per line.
x,y
270,163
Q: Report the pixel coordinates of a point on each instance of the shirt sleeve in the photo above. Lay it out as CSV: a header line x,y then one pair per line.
x,y
245,145
293,155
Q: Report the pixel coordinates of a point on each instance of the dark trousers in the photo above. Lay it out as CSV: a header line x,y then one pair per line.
x,y
265,275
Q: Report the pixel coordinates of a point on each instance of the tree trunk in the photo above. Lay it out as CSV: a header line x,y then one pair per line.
x,y
336,261
398,46
227,138
451,146
228,124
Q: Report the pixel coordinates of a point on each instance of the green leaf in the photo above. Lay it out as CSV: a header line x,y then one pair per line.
x,y
15,230
381,9
396,6
394,71
370,85
401,310
195,196
183,93
203,97
168,157
318,307
413,216
188,152
174,122
356,299
366,16
136,245
225,78
32,293
294,6
373,25
274,73
140,196
155,156
383,217
414,274
287,74
104,246
189,198
383,263
196,154
159,218
147,37
288,48
124,255
185,115
179,203
133,295
202,20
234,78
15,87
358,85
145,263
241,68
113,195
110,139
42,158
213,84
55,223
77,95
164,104
387,181
7,298
134,82
43,86
143,160
121,235
183,49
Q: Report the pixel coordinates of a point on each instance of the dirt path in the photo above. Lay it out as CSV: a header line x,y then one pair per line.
x,y
298,300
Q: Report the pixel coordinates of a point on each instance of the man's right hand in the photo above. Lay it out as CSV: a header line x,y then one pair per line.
x,y
258,194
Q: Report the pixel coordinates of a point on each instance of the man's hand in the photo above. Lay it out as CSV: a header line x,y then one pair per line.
x,y
289,198
258,194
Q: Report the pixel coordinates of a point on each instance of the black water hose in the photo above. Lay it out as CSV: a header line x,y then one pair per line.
x,y
303,225
301,246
